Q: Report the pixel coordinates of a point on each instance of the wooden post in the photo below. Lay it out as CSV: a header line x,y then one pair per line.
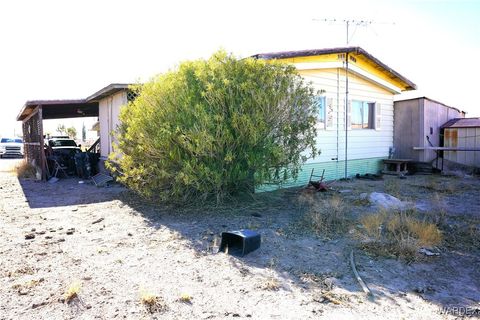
x,y
43,160
29,134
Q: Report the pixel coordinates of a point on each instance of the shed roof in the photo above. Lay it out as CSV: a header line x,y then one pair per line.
x,y
107,91
393,75
58,109
462,123
432,100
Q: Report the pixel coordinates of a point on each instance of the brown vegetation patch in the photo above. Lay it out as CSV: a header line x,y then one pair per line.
x,y
399,234
325,216
25,170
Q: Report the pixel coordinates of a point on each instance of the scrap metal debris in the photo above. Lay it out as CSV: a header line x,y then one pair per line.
x,y
428,253
318,185
101,179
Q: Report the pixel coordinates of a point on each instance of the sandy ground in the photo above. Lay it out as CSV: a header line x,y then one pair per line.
x,y
115,247
7,164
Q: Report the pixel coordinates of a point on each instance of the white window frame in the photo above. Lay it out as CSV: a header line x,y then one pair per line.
x,y
321,124
371,114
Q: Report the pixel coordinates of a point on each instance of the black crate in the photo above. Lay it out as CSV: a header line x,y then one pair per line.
x,y
240,242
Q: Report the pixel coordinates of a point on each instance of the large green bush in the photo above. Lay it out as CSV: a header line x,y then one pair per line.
x,y
212,128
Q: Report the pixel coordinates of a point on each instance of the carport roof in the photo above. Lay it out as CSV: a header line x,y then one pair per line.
x,y
59,109
72,108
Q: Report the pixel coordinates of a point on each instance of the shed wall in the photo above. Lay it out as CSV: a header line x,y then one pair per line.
x,y
463,138
407,127
416,119
109,111
435,115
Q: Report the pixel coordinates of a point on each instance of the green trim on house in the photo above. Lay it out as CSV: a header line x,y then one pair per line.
x,y
333,170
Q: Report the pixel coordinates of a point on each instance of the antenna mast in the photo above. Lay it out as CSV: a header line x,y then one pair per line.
x,y
347,23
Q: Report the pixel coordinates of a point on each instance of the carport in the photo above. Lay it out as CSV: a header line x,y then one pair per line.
x,y
32,115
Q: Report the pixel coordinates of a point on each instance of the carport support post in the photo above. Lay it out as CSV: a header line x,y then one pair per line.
x,y
43,160
29,140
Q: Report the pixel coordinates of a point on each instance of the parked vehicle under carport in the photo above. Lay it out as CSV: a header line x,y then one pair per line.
x,y
64,155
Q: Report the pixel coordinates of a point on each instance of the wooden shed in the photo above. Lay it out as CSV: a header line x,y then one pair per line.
x,y
417,124
463,136
110,100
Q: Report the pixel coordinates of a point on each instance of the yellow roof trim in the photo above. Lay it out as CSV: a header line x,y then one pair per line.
x,y
356,57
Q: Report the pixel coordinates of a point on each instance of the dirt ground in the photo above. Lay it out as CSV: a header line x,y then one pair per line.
x,y
114,248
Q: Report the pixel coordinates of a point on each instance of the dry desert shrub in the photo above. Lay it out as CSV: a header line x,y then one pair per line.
x,y
270,284
473,235
444,186
326,217
393,187
432,184
152,302
72,291
465,236
25,170
373,224
438,213
398,234
185,298
403,227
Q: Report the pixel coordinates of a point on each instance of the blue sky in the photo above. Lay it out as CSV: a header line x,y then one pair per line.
x,y
55,49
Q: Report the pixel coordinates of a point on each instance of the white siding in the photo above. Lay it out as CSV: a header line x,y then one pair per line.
x,y
362,143
104,121
108,114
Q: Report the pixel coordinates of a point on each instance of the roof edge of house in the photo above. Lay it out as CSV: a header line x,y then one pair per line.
x,y
314,52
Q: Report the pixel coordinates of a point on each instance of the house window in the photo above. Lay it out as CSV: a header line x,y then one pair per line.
x,y
363,115
321,106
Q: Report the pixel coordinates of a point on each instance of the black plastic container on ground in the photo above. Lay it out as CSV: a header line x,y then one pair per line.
x,y
240,242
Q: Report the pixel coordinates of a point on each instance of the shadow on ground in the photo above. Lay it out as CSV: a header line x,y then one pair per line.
x,y
66,192
311,263
298,258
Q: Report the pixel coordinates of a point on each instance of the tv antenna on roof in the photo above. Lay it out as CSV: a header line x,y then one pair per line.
x,y
347,23
351,22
